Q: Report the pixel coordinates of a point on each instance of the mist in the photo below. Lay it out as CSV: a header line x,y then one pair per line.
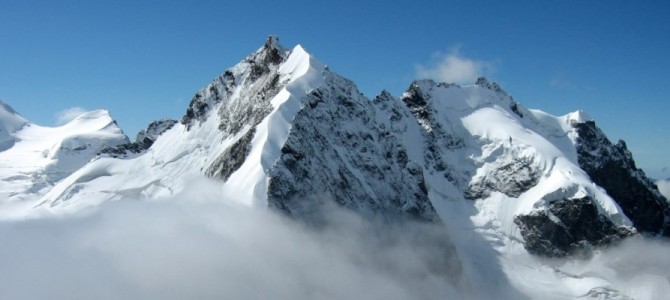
x,y
198,245
639,267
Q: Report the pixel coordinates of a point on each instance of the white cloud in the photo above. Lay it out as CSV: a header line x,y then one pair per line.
x,y
638,267
664,187
196,246
68,115
453,67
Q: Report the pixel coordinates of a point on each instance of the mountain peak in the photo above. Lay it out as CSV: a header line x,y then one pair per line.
x,y
483,82
272,42
272,52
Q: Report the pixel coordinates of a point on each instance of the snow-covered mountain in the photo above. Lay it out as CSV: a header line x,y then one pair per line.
x,y
33,159
281,130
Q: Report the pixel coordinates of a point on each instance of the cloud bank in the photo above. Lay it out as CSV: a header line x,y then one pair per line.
x,y
638,268
453,67
198,247
67,115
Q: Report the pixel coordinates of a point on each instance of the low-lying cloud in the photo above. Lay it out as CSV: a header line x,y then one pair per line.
x,y
453,67
638,268
197,246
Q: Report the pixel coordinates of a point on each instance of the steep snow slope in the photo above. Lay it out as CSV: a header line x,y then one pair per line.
x,y
35,158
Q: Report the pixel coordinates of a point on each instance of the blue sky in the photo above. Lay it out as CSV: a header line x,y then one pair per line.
x,y
144,60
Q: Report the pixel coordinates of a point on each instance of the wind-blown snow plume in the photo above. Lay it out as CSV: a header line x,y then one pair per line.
x,y
68,114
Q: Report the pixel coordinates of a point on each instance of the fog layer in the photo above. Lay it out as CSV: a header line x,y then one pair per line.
x,y
201,246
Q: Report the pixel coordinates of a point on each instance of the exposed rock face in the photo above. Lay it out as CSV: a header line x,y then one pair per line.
x,y
259,76
612,167
232,158
568,226
145,138
512,175
339,149
439,138
243,95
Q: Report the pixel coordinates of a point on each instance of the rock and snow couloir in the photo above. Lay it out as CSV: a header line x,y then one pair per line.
x,y
281,130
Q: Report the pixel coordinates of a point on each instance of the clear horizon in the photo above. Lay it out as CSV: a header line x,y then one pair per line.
x,y
144,60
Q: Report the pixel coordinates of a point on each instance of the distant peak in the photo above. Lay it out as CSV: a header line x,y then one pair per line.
x,y
384,96
271,53
483,82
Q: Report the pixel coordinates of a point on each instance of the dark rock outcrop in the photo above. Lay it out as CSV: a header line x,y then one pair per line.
x,y
260,78
512,176
232,158
611,166
568,226
338,149
145,138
